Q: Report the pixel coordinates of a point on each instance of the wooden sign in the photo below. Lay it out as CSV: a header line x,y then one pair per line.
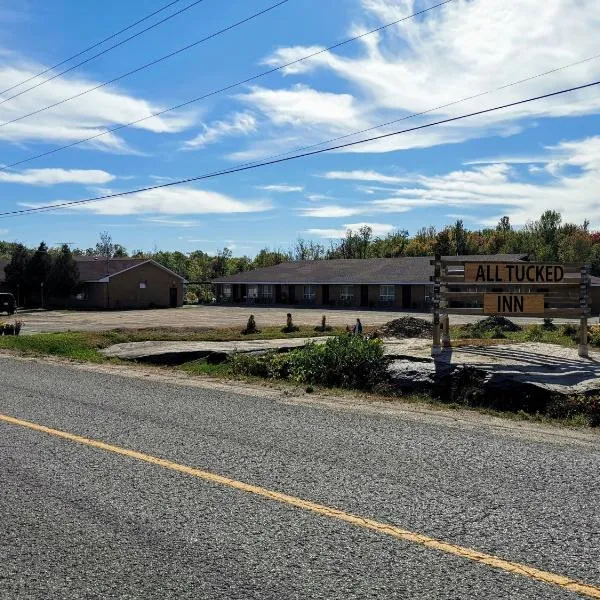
x,y
513,273
513,304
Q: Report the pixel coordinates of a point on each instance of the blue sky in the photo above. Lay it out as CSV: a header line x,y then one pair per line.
x,y
517,162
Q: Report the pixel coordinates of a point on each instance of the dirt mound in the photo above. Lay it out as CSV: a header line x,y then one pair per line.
x,y
407,327
496,323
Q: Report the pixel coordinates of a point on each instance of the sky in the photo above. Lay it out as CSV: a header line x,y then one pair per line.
x,y
516,162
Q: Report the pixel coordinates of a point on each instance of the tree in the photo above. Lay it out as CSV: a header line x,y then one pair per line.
x,y
38,271
64,274
459,237
443,243
16,271
105,246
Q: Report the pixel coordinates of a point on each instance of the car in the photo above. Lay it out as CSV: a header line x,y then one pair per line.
x,y
8,304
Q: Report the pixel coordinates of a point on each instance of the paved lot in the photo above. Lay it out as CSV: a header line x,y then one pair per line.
x,y
85,522
207,316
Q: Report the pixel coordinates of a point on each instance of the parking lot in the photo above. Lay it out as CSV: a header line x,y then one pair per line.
x,y
206,316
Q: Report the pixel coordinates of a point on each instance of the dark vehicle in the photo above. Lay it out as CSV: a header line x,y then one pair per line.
x,y
7,304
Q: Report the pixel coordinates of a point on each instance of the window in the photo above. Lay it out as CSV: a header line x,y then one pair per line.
x,y
267,291
227,290
310,292
252,291
347,293
387,293
143,285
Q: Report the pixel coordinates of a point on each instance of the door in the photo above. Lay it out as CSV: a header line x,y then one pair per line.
x,y
292,294
325,295
406,296
173,297
277,294
364,295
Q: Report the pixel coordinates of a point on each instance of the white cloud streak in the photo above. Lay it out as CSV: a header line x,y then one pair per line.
x,y
379,229
242,123
56,176
281,188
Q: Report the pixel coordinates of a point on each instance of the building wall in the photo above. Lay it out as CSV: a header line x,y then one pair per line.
x,y
124,289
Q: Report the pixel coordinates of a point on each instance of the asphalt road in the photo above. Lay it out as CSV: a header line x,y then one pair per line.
x,y
83,522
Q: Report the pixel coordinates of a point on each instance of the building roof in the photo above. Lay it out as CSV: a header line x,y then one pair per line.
x,y
92,268
403,270
97,269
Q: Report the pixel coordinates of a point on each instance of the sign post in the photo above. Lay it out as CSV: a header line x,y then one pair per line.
x,y
436,346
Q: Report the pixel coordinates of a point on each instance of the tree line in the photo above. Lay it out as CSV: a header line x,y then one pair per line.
x,y
545,239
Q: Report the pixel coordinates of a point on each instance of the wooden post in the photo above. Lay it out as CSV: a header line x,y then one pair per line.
x,y
446,331
583,348
436,346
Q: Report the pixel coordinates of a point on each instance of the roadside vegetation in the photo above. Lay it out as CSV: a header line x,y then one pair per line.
x,y
345,362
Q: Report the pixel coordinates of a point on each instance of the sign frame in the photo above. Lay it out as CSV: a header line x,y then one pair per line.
x,y
535,289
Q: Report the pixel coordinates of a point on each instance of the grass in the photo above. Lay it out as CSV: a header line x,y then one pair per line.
x,y
86,346
529,333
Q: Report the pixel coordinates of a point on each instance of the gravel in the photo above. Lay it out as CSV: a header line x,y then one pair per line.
x,y
81,523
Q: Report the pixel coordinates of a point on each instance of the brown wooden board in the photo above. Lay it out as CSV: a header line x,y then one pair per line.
x,y
524,273
513,304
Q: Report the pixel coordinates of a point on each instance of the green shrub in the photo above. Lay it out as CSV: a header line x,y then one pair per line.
x,y
569,330
548,324
534,334
594,336
497,334
343,361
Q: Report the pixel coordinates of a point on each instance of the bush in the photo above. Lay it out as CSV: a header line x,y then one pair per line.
x,y
569,330
576,406
342,361
548,325
497,334
594,336
272,365
534,334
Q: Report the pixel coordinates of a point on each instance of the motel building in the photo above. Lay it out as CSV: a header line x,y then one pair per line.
x,y
380,283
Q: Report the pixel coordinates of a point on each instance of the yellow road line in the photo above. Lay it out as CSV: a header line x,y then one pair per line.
x,y
490,560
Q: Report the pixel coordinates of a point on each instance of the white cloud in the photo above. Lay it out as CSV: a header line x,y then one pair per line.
x,y
462,49
183,200
332,211
171,222
77,119
242,123
379,229
510,191
283,189
56,176
364,176
318,197
304,106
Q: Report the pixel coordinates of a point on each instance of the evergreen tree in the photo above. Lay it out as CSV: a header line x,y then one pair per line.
x,y
64,274
38,271
16,272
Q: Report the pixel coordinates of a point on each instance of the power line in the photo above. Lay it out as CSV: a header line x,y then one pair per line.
x,y
214,92
335,139
106,39
296,156
145,66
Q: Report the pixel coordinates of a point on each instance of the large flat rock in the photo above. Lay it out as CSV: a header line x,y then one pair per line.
x,y
180,352
546,366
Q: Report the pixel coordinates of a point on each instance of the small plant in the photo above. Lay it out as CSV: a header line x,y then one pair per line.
x,y
534,334
548,325
289,325
569,330
309,389
250,326
497,334
323,326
